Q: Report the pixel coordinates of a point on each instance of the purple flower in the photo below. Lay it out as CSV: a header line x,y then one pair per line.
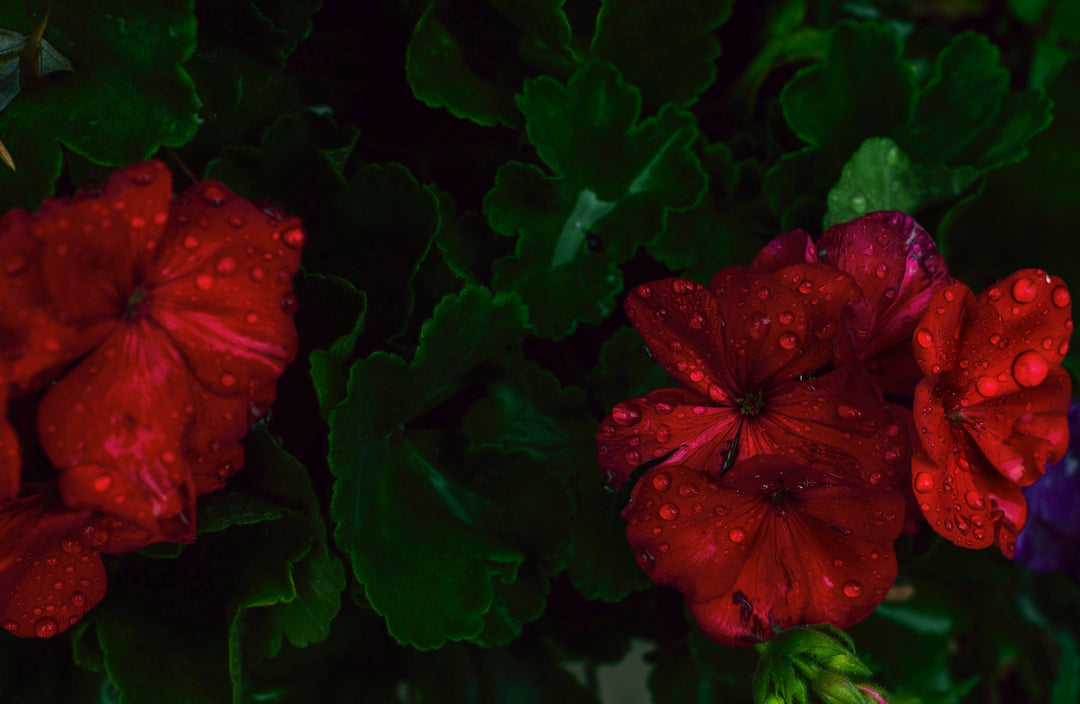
x,y
1051,538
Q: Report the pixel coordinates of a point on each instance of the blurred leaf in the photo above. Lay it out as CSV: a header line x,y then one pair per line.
x,y
863,88
625,370
468,245
327,367
1066,687
242,44
471,57
614,178
881,177
423,567
127,96
667,48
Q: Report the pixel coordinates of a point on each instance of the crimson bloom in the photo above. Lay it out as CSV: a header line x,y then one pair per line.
x,y
178,316
771,543
774,497
992,411
897,268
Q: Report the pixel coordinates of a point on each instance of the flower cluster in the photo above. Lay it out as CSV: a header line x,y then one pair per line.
x,y
833,394
150,333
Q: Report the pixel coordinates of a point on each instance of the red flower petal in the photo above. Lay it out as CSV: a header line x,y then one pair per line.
x,y
10,454
115,426
898,269
222,289
768,545
793,247
48,577
98,245
667,420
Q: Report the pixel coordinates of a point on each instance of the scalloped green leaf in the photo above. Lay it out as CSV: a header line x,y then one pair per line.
x,y
880,176
424,567
327,366
127,96
471,57
965,114
864,88
667,48
244,43
616,179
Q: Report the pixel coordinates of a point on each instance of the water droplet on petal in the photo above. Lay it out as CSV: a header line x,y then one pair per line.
x,y
924,338
204,282
661,481
46,627
975,500
212,195
191,242
70,545
687,490
252,318
1030,368
737,535
986,385
294,238
669,512
697,321
102,483
226,266
227,379
1060,296
257,274
787,317
848,412
624,415
852,589
11,626
696,375
924,483
789,340
78,599
1024,290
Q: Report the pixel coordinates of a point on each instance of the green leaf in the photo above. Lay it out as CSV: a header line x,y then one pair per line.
x,y
796,187
242,44
625,370
665,47
467,243
965,116
127,96
880,176
471,58
615,179
863,88
423,567
1067,683
327,367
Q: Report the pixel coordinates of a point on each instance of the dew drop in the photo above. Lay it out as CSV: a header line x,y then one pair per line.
x,y
227,379
789,340
669,512
102,483
46,627
294,238
663,433
924,483
986,385
252,318
975,500
1024,290
226,266
191,242
787,317
58,586
11,626
806,287
625,415
78,599
924,338
737,535
697,321
852,589
848,412
1060,296
1030,368
235,222
633,457
687,490
696,375
661,481
257,274
204,282
645,291
69,545
212,195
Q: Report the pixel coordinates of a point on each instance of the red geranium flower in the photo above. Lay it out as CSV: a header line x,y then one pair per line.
x,y
771,543
992,410
769,368
185,310
897,268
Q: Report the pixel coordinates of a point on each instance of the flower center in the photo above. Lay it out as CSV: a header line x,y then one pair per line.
x,y
134,303
751,404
